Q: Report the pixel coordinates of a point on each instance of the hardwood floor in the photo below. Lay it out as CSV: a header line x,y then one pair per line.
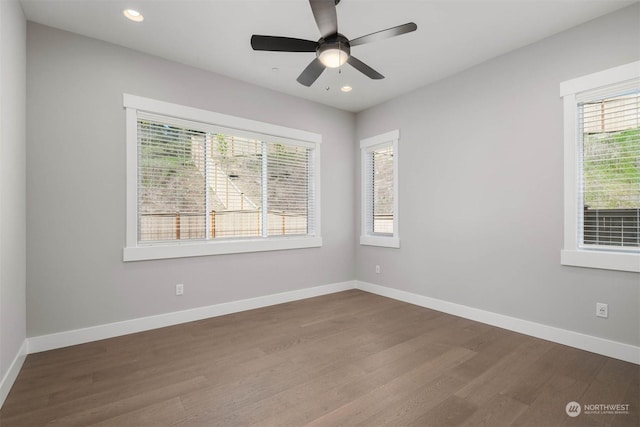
x,y
350,358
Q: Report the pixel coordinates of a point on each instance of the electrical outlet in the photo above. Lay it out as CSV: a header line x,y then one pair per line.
x,y
377,269
602,310
179,289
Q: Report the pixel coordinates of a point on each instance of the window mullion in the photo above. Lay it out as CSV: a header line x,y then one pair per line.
x,y
265,180
371,192
207,186
580,184
310,193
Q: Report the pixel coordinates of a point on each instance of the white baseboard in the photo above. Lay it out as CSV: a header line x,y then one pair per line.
x,y
590,343
12,373
95,333
617,350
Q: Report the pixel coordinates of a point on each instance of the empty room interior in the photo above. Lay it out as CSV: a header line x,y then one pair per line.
x,y
320,212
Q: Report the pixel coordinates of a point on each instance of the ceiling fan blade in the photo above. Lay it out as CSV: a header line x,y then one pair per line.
x,y
282,44
384,34
311,73
364,68
324,12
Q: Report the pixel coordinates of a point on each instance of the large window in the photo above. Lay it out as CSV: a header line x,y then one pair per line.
x,y
602,169
201,183
380,190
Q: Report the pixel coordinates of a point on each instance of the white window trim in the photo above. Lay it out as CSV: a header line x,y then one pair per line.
x,y
572,254
135,251
366,146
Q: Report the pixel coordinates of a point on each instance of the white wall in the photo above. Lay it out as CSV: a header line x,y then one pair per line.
x,y
481,214
12,188
76,183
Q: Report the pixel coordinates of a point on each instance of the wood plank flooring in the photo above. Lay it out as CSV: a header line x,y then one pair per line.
x,y
345,359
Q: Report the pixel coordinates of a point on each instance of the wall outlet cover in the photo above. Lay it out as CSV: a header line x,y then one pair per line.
x,y
602,310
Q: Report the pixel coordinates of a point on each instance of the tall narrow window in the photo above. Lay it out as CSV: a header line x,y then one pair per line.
x,y
380,190
198,188
602,169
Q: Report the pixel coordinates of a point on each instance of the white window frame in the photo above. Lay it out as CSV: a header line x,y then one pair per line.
x,y
137,251
368,145
572,254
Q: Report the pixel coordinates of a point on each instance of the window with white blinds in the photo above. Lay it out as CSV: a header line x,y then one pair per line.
x,y
215,189
609,165
379,173
602,169
379,190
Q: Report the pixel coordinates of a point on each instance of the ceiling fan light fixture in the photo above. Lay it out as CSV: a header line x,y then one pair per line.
x,y
333,58
333,55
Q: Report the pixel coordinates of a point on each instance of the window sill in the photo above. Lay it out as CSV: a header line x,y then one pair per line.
x,y
184,250
602,260
383,241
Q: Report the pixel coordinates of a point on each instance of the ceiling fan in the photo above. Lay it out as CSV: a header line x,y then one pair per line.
x,y
333,49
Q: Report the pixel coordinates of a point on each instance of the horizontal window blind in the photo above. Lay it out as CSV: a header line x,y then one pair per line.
x,y
609,163
288,195
197,184
235,186
380,188
171,188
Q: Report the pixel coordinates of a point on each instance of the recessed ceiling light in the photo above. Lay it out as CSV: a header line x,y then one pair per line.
x,y
133,15
346,88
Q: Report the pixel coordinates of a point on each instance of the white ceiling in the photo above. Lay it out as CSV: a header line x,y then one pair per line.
x,y
214,35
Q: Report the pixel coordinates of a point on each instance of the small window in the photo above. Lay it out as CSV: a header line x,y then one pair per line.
x,y
602,169
380,190
197,187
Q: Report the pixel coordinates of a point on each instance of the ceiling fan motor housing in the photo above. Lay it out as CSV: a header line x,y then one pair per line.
x,y
336,45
